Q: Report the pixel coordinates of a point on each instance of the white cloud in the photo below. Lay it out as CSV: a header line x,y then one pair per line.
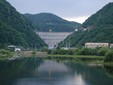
x,y
73,9
78,19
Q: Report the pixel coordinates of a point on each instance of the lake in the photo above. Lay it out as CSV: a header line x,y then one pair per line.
x,y
39,71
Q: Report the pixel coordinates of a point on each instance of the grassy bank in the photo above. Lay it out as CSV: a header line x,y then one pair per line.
x,y
76,56
104,54
87,59
93,59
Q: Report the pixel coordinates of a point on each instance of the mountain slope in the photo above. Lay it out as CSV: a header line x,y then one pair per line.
x,y
103,16
99,28
47,21
16,29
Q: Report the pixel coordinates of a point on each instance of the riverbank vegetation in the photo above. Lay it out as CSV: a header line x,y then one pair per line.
x,y
105,53
93,55
5,54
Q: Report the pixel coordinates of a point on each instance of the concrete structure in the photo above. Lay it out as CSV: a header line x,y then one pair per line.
x,y
94,45
53,38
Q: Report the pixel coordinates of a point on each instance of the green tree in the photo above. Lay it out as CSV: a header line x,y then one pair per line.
x,y
109,56
102,51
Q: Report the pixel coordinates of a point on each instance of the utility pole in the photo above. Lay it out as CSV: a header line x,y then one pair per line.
x,y
66,44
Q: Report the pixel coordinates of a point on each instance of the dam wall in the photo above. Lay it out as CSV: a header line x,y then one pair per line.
x,y
53,38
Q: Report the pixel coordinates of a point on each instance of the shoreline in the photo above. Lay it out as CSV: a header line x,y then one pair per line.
x,y
83,58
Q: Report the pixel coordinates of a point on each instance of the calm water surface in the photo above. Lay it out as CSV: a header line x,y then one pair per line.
x,y
36,71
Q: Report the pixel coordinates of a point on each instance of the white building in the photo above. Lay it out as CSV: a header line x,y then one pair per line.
x,y
14,48
94,45
17,49
111,45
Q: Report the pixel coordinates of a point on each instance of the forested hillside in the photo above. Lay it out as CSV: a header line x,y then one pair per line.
x,y
46,21
99,28
16,29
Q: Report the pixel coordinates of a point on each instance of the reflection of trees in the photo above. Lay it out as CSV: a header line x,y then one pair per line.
x,y
11,70
27,67
109,70
93,75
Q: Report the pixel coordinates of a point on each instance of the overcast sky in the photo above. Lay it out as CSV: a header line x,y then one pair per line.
x,y
74,10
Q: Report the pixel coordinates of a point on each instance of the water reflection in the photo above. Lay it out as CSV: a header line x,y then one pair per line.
x,y
53,67
109,70
11,70
36,71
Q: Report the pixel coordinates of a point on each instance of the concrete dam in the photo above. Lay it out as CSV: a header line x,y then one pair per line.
x,y
53,38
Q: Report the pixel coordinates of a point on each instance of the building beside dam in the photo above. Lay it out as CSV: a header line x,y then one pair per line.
x,y
95,45
53,38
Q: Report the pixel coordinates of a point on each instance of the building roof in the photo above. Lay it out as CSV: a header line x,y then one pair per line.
x,y
11,46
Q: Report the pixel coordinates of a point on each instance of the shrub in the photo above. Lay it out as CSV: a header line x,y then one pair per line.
x,y
34,52
84,51
62,51
70,52
109,56
44,49
75,51
49,51
5,53
93,51
102,51
54,51
87,51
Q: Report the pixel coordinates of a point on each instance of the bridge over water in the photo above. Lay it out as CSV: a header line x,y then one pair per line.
x,y
53,38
